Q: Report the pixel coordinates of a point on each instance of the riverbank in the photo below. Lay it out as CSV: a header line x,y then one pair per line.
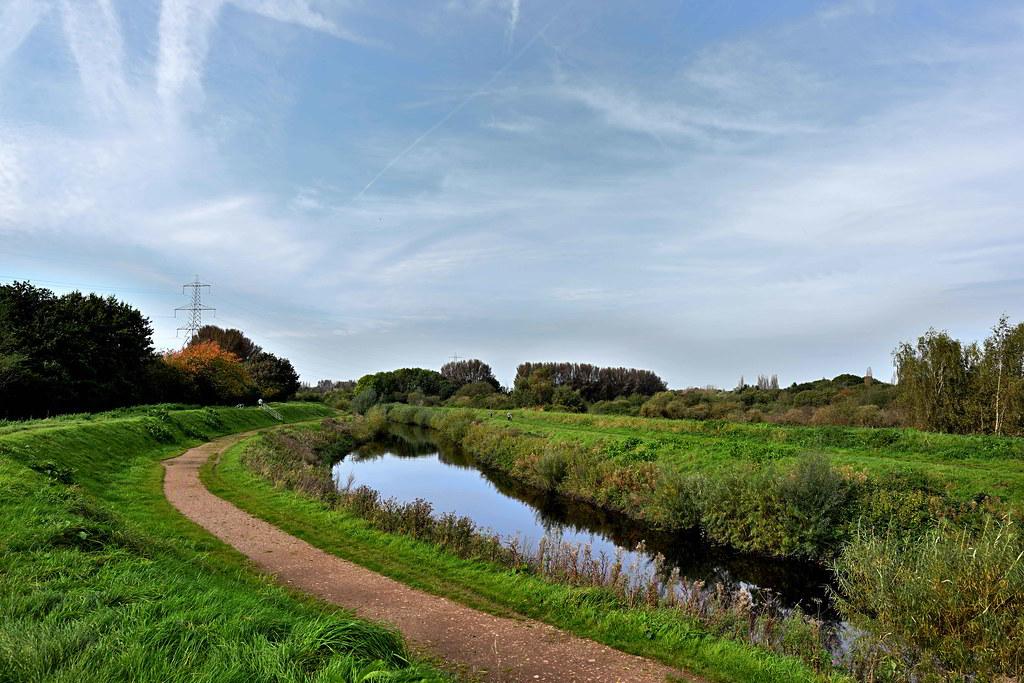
x,y
920,528
664,634
783,491
103,580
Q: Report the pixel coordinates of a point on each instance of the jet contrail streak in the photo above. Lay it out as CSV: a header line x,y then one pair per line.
x,y
457,108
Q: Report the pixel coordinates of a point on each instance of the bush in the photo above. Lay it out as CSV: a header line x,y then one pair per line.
x,y
815,497
364,400
800,512
552,467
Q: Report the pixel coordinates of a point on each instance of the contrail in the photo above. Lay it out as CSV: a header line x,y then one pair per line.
x,y
458,107
513,21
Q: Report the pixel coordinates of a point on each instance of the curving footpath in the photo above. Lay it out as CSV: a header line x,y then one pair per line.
x,y
491,648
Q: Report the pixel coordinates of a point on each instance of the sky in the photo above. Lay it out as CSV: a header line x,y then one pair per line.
x,y
704,189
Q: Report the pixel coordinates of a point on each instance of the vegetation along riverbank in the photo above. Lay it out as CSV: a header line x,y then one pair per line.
x,y
918,526
102,580
978,567
285,478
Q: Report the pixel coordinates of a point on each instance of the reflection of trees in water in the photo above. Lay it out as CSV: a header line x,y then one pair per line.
x,y
790,582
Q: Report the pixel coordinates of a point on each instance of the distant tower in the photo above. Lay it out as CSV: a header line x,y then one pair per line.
x,y
195,310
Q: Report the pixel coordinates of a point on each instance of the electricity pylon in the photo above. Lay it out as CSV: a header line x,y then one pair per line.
x,y
195,310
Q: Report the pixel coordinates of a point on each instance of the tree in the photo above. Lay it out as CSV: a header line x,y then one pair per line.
x,y
231,340
275,378
933,379
395,385
463,372
213,375
476,390
592,382
364,399
999,403
568,400
75,352
535,388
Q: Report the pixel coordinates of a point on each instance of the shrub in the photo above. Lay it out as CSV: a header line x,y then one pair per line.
x,y
364,400
799,512
815,497
552,467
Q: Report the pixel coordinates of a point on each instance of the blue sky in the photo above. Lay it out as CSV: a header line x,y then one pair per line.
x,y
703,189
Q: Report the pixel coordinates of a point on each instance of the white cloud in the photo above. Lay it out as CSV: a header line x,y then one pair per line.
x,y
11,180
17,19
847,8
513,22
94,35
185,27
666,120
520,125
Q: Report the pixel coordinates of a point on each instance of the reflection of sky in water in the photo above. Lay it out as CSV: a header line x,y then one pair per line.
x,y
464,491
413,469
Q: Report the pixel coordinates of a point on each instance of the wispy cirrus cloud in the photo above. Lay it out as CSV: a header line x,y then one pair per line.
x,y
667,120
17,19
94,36
513,23
184,35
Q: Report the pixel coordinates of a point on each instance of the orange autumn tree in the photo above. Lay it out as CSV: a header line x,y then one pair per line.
x,y
209,374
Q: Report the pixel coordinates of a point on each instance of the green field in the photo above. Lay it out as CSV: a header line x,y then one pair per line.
x,y
966,465
101,579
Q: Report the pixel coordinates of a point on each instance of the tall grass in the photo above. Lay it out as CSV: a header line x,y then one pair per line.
x,y
101,580
950,602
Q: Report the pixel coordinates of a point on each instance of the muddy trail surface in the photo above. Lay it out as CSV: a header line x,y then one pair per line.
x,y
488,647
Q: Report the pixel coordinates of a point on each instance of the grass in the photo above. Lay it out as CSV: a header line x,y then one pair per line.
x,y
102,580
782,491
950,600
968,464
662,634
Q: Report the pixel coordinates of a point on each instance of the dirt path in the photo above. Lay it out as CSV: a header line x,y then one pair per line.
x,y
489,647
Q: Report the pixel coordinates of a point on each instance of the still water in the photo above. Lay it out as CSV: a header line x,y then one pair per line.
x,y
412,463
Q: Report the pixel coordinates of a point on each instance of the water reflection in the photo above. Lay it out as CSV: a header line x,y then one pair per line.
x,y
412,462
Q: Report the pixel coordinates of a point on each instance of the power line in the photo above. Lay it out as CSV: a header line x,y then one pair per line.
x,y
195,310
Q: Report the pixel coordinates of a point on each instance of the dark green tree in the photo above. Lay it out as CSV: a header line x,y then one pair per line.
x,y
76,352
463,372
395,385
275,377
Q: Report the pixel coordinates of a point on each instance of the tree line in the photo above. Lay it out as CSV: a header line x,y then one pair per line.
x,y
593,383
471,383
942,384
949,386
85,352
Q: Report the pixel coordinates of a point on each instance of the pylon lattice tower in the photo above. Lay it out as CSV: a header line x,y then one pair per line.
x,y
195,310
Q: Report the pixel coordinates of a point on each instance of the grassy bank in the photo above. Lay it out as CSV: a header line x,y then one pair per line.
x,y
102,580
786,491
668,635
